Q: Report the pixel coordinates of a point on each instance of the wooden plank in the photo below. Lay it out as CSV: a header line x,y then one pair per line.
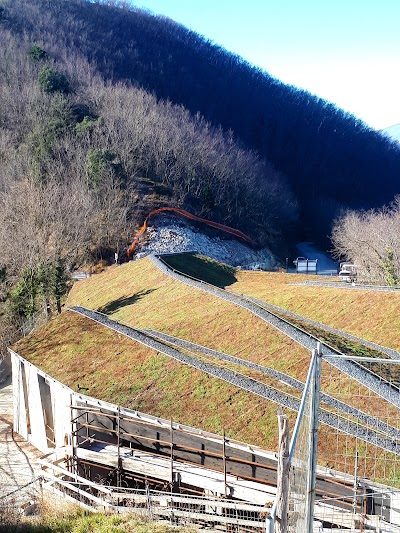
x,y
193,448
159,468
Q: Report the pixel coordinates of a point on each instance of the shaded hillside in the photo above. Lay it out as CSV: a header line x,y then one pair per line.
x,y
331,158
84,160
67,121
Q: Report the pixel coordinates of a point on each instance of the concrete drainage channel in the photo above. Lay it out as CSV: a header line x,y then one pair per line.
x,y
367,434
348,286
392,354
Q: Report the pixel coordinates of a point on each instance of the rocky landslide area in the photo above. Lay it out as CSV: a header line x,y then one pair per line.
x,y
168,235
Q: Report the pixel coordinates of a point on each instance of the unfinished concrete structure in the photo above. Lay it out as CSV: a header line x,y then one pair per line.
x,y
89,440
95,438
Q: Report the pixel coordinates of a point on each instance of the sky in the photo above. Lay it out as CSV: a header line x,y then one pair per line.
x,y
345,51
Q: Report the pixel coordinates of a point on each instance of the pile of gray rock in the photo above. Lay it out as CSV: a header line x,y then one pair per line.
x,y
167,235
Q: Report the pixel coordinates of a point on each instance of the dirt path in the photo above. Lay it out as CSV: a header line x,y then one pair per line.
x,y
18,459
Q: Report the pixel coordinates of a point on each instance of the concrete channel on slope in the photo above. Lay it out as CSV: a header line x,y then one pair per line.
x,y
308,341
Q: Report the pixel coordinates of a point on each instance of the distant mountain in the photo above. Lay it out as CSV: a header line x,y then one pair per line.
x,y
329,159
393,132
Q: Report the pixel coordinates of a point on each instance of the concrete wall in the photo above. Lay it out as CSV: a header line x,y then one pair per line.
x,y
41,406
40,401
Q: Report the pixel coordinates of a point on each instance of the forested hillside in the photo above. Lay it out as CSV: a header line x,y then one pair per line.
x,y
331,158
108,112
84,159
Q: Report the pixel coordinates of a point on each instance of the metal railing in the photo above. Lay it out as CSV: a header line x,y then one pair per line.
x,y
178,508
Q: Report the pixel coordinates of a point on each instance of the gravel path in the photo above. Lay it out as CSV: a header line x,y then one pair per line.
x,y
241,381
306,340
348,286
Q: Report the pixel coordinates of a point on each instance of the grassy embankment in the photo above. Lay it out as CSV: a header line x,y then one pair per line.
x,y
374,316
104,364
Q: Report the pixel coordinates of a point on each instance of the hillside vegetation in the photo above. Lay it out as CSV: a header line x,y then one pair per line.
x,y
371,240
80,352
84,159
99,362
108,112
370,315
66,518
332,159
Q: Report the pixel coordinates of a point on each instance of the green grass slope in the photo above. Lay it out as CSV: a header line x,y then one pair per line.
x,y
99,362
371,315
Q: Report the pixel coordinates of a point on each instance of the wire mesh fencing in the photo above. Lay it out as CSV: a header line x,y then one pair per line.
x,y
302,462
354,405
301,456
17,499
207,511
359,443
185,510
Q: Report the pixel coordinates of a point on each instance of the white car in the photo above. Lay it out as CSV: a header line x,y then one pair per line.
x,y
348,272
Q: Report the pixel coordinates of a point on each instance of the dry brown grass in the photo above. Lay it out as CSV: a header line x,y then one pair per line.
x,y
167,305
97,361
109,366
374,316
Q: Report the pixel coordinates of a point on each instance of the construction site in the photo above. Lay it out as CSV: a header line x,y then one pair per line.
x,y
107,456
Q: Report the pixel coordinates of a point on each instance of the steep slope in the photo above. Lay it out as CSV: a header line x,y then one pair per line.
x,y
118,140
332,159
109,366
116,366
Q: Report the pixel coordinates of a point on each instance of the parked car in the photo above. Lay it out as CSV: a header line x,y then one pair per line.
x,y
348,272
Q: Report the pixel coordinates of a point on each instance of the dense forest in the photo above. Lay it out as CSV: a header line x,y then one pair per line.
x,y
84,159
108,112
331,159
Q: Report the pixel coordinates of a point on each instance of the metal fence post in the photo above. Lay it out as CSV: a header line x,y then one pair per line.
x,y
282,488
171,444
270,523
313,440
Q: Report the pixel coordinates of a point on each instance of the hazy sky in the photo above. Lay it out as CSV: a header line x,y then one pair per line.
x,y
346,51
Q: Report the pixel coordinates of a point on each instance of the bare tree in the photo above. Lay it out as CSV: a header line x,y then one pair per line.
x,y
371,240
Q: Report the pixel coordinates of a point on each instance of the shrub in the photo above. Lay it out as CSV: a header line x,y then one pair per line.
x,y
36,53
99,163
22,298
2,274
86,125
51,81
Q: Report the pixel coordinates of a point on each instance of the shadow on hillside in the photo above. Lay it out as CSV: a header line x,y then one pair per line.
x,y
202,268
119,303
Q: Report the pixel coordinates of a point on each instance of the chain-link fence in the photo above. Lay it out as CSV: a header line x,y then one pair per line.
x,y
361,452
17,499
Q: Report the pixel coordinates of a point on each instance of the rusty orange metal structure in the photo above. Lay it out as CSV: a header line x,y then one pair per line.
x,y
186,214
